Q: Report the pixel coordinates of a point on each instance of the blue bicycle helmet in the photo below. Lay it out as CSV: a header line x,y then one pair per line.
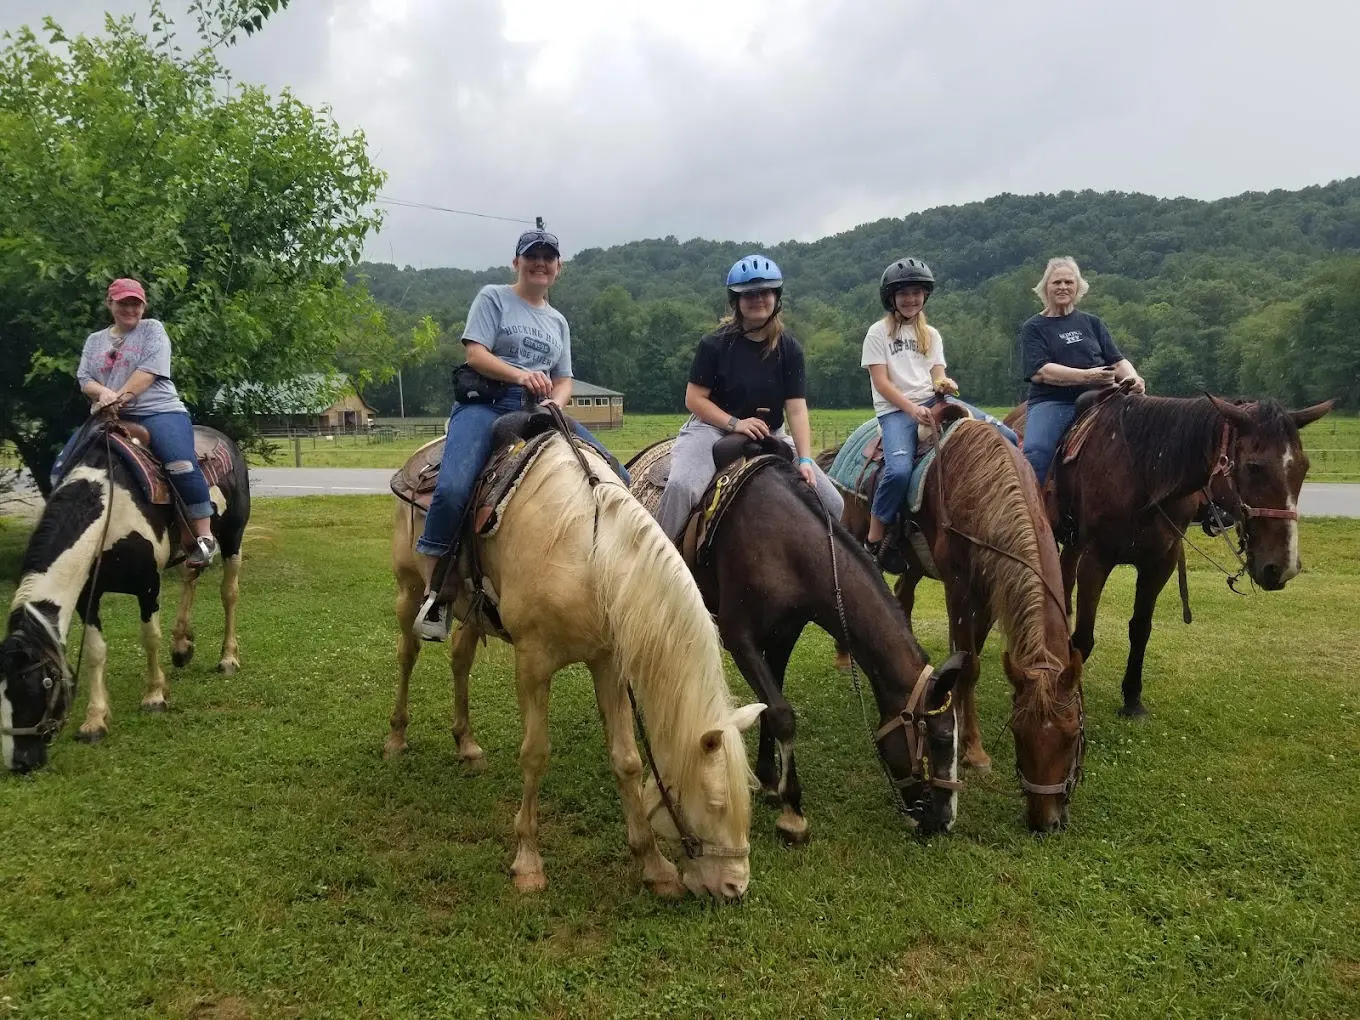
x,y
754,272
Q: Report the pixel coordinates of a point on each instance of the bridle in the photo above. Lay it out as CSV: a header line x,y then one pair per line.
x,y
913,721
63,683
1073,777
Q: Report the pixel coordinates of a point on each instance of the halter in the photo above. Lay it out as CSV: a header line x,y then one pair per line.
x,y
1065,788
912,720
51,722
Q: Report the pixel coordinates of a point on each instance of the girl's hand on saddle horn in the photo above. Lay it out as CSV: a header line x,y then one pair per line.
x,y
755,428
947,386
109,398
921,414
536,383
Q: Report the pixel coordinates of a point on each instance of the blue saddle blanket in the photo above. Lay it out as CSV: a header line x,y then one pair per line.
x,y
853,472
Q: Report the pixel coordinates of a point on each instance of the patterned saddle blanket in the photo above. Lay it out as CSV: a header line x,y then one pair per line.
x,y
131,443
857,466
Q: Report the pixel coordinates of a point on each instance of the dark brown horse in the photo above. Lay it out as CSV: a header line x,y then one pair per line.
x,y
990,543
777,563
1145,470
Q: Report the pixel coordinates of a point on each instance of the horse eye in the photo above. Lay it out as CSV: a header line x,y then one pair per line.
x,y
1255,467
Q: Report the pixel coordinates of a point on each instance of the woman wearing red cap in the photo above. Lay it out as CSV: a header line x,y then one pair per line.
x,y
127,366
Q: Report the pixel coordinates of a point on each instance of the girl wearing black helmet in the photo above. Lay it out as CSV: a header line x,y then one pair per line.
x,y
905,358
747,376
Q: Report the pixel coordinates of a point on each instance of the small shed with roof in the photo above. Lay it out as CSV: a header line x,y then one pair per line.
x,y
595,406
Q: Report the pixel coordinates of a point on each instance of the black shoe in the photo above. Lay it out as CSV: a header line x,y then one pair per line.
x,y
887,555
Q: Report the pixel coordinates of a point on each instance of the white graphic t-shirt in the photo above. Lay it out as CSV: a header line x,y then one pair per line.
x,y
908,370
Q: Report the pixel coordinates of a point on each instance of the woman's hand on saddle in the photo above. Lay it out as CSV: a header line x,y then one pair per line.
x,y
1102,376
109,401
755,428
921,414
1133,384
805,469
536,383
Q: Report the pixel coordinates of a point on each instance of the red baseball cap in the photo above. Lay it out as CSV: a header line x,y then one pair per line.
x,y
121,290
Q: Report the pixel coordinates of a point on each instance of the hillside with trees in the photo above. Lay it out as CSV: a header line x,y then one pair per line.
x,y
1256,294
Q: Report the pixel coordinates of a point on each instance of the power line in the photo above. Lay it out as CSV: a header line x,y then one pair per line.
x,y
406,204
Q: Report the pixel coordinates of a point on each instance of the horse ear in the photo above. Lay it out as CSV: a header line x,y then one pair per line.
x,y
947,675
1311,414
1072,674
1235,415
745,717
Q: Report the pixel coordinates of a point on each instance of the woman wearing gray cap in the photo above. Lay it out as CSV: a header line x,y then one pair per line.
x,y
521,346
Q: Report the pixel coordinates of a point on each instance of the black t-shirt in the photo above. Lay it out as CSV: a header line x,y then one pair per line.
x,y
744,380
1075,340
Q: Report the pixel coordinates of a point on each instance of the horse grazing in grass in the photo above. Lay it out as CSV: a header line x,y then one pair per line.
x,y
99,533
583,574
1131,476
775,562
989,542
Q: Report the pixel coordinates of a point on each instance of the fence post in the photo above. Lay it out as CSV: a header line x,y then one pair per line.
x,y
297,451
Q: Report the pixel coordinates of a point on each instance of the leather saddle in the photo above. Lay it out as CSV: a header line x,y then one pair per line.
x,y
738,459
131,442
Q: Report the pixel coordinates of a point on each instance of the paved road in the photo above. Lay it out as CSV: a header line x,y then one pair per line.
x,y
1318,499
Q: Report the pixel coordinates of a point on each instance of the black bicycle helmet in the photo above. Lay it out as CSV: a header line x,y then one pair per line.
x,y
900,274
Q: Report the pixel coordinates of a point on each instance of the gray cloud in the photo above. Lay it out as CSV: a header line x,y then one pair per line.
x,y
806,119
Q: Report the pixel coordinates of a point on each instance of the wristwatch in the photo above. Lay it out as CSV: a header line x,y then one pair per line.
x,y
732,423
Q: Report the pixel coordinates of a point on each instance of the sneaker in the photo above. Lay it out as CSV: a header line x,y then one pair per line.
x,y
202,552
887,555
433,621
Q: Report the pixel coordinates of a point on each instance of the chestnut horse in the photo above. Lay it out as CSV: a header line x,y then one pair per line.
x,y
991,545
1145,469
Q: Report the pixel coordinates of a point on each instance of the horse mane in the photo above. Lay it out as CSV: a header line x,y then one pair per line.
x,y
59,533
991,495
661,635
1171,442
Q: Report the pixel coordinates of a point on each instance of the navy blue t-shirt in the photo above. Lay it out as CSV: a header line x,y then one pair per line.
x,y
744,380
1075,340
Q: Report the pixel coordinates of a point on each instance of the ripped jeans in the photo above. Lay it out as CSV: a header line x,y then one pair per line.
x,y
899,454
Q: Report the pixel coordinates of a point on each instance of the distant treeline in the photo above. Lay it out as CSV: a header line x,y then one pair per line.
x,y
1256,295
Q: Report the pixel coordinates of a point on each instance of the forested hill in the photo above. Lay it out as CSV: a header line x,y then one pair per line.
x,y
1258,294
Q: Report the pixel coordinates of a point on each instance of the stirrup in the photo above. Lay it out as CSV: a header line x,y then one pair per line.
x,y
433,619
202,553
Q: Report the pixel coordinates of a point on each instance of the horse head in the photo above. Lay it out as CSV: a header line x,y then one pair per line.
x,y
920,748
36,688
1260,481
1048,720
706,807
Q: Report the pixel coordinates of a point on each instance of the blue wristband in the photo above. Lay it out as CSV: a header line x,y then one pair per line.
x,y
807,460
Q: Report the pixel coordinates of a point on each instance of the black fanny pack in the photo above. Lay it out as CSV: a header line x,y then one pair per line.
x,y
471,387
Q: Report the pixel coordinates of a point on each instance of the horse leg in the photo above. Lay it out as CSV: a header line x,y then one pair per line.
x,y
182,637
764,671
905,589
1092,573
95,652
410,589
230,661
461,657
533,678
611,694
1152,577
965,624
157,690
1068,559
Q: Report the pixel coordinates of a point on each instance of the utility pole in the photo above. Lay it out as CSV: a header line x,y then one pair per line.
x,y
401,396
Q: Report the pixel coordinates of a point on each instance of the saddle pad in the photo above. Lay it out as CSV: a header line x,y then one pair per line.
x,y
500,479
1077,433
414,481
649,471
854,465
210,450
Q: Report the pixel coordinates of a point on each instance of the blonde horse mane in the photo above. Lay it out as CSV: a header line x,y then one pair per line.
x,y
662,638
990,496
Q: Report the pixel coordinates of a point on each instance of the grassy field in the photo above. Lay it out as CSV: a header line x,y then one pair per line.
x,y
1333,444
250,854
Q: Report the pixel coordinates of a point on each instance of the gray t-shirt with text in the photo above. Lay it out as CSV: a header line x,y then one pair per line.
x,y
111,361
534,339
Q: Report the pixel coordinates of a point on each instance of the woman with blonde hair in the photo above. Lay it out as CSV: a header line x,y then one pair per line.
x,y
905,358
1064,353
748,376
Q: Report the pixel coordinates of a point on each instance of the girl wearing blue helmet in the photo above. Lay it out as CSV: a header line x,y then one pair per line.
x,y
748,376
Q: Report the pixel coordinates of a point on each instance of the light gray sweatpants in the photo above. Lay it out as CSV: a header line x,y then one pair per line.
x,y
692,469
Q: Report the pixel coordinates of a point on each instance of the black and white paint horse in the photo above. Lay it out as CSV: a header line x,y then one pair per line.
x,y
99,507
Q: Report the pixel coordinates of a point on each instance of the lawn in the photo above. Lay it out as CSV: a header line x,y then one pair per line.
x,y
1333,444
250,854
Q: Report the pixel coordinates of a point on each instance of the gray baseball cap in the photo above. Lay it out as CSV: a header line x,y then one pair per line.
x,y
532,237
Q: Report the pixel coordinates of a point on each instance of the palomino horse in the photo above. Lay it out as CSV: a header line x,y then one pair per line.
x,y
991,545
100,533
583,574
776,562
1141,473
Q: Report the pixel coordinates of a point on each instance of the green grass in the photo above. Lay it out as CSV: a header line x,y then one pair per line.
x,y
1333,444
250,853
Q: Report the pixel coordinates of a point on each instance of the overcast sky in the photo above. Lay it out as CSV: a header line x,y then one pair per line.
x,y
624,119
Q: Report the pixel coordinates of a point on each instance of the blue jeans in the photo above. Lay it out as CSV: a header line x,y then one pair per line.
x,y
899,454
1045,423
467,445
172,441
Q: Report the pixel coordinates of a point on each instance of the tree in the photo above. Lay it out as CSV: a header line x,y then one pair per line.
x,y
121,155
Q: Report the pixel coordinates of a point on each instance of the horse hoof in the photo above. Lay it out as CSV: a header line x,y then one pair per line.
x,y
91,736
474,766
982,766
393,747
1133,711
533,882
843,664
182,658
470,751
228,668
792,829
153,707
